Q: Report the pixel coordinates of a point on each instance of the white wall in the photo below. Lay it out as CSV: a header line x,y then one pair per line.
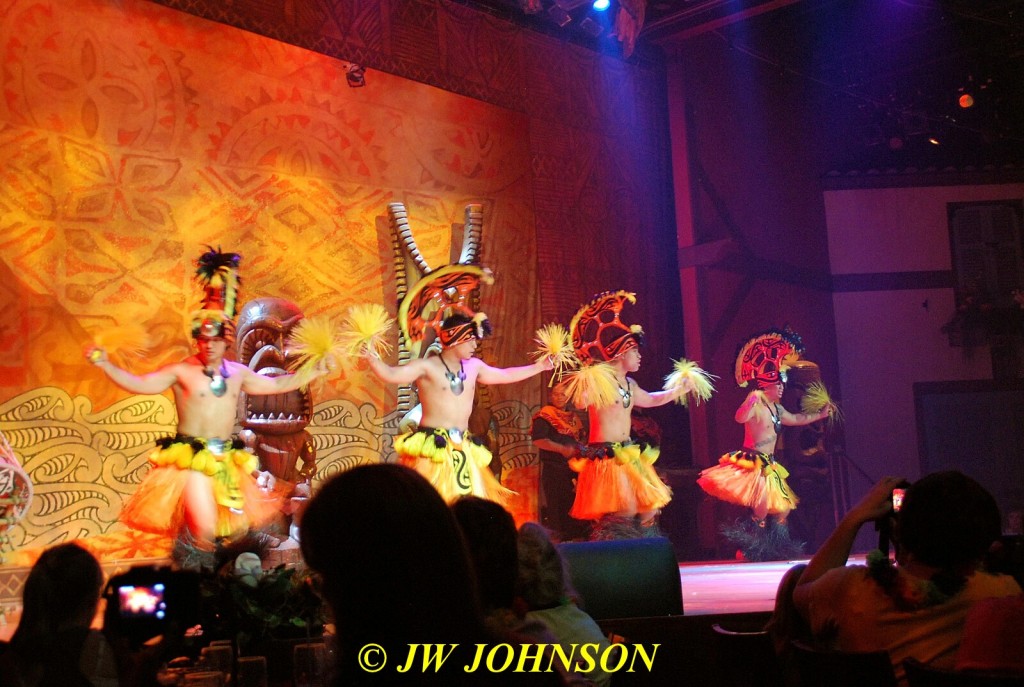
x,y
888,340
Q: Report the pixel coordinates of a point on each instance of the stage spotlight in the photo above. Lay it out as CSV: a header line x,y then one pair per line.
x,y
602,5
966,100
355,76
934,141
559,16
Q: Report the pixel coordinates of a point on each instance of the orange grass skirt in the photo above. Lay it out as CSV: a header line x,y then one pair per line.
x,y
623,484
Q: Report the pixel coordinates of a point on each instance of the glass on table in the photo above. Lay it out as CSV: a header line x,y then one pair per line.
x,y
251,672
309,665
219,657
204,678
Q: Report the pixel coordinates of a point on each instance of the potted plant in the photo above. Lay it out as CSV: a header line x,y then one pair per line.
x,y
264,612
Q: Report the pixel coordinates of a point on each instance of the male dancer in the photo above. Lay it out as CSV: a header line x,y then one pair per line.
x,y
617,487
441,448
202,487
751,477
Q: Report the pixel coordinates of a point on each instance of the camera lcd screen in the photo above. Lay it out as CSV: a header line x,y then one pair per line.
x,y
897,499
142,602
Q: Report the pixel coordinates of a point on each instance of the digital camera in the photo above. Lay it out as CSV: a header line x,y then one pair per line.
x,y
147,600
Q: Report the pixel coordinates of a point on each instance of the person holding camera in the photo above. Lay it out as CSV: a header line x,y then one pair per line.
x,y
915,608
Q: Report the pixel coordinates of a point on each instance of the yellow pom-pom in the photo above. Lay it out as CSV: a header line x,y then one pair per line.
x,y
593,385
691,379
184,461
366,328
553,342
124,342
312,343
816,398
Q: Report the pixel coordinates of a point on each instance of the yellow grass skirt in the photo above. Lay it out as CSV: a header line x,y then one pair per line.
x,y
451,461
750,479
625,483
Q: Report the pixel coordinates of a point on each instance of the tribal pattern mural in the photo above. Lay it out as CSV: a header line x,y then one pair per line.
x,y
131,136
135,133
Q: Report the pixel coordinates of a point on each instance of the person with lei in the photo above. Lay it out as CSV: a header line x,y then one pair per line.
x,y
916,605
202,486
441,448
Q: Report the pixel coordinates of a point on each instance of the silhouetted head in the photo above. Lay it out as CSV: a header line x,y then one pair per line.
x,y
947,520
490,534
542,581
61,593
393,564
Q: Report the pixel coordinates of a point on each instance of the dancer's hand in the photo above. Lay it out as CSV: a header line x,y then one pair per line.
x,y
96,355
266,480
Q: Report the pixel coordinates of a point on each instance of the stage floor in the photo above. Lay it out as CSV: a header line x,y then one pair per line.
x,y
719,587
731,586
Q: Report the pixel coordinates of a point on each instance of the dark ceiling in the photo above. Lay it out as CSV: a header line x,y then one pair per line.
x,y
896,68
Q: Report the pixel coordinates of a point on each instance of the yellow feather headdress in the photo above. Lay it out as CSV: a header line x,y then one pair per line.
x,y
217,273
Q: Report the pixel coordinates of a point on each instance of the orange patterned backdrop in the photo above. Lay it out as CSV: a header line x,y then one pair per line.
x,y
131,136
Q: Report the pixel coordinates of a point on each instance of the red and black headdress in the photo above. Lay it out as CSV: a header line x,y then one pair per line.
x,y
439,302
598,333
765,357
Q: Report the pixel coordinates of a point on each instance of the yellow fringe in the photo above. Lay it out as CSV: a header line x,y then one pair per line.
x,y
686,373
312,343
124,342
553,342
816,398
650,454
366,328
592,385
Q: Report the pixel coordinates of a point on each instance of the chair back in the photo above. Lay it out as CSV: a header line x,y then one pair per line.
x,y
923,675
625,578
828,668
746,657
786,622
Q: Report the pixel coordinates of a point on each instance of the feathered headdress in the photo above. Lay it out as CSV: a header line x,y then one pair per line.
x,y
439,302
217,273
765,357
